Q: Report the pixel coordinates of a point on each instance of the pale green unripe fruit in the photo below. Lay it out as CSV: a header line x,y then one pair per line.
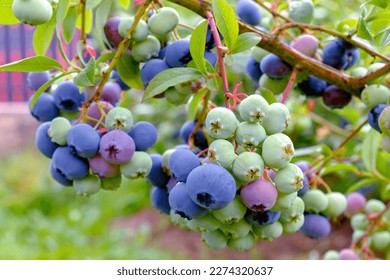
x,y
301,11
315,201
33,12
293,225
87,186
111,183
165,160
243,243
331,255
276,86
384,121
138,167
163,21
358,234
373,95
284,201
278,150
221,123
289,179
146,49
386,143
372,68
259,53
236,230
119,118
232,213
269,232
58,130
253,108
380,240
215,240
358,72
374,206
250,134
359,221
222,152
337,203
297,209
277,118
205,223
175,97
248,167
140,33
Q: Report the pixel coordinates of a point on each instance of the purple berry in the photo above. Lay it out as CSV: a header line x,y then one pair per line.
x,y
111,31
335,97
249,12
94,112
348,254
315,226
252,68
151,69
313,87
199,138
178,53
102,168
356,203
111,92
259,195
335,55
117,147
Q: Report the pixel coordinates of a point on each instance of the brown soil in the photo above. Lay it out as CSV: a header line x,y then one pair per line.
x,y
188,245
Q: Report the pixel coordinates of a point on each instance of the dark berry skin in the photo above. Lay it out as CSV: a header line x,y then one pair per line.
x,y
199,138
262,218
335,55
352,57
178,53
36,79
151,69
248,11
111,31
334,97
373,116
315,226
144,135
252,68
44,109
313,87
274,67
43,141
157,177
159,199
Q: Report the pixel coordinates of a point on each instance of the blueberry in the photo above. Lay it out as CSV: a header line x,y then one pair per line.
x,y
375,206
335,97
373,95
215,240
94,112
144,135
211,186
111,31
44,109
293,225
276,86
151,69
159,199
353,56
199,138
262,218
248,167
157,177
103,168
337,203
348,254
163,21
315,201
243,243
111,183
211,57
250,134
111,93
175,97
119,118
59,177
221,123
259,195
68,98
269,232
236,230
210,43
69,165
117,147
87,186
313,87
335,55
284,201
380,240
146,49
358,72
37,79
83,140
306,44
289,179
315,226
221,152
253,108
373,116
301,11
116,78
258,53
182,204
138,167
252,68
58,130
249,12
384,121
43,141
276,119
331,255
277,150
274,67
205,223
232,213
181,163
355,203
296,209
178,53
140,33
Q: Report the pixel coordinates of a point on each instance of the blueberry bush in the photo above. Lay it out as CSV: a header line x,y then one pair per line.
x,y
248,120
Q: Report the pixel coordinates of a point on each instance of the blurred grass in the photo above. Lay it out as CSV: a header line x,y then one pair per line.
x,y
40,219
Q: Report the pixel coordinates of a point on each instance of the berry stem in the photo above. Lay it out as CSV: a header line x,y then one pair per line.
x,y
351,135
219,47
274,13
290,85
83,37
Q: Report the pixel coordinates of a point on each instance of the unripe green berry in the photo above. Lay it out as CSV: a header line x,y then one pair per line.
x,y
138,167
269,232
284,201
253,108
248,167
222,152
375,206
384,121
331,255
337,203
58,130
250,134
373,95
119,118
221,123
232,213
87,186
215,240
205,223
146,49
277,150
315,201
236,230
277,118
359,221
289,179
140,33
243,243
293,225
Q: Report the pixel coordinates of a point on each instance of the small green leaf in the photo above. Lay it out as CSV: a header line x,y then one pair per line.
x,y
62,10
379,3
125,3
88,21
31,64
86,77
226,20
194,103
197,43
169,78
362,30
362,183
7,17
43,88
245,41
339,167
370,148
105,57
91,4
129,72
69,23
43,36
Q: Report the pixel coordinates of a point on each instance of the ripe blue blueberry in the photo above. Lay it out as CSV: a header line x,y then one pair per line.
x,y
157,177
178,53
144,135
83,140
69,165
373,116
274,67
59,177
199,138
159,199
44,109
335,55
262,218
68,98
313,86
181,162
211,186
252,68
116,78
43,141
37,79
151,69
249,12
117,147
315,226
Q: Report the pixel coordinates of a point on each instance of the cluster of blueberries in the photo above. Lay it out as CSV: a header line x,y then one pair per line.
x,y
91,151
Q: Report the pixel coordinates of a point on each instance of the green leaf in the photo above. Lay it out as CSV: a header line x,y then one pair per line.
x,y
339,167
362,183
43,88
86,77
102,11
129,72
227,23
245,41
169,78
197,43
194,103
88,20
43,35
91,4
370,148
62,10
7,17
105,57
362,30
379,3
69,23
125,3
31,64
